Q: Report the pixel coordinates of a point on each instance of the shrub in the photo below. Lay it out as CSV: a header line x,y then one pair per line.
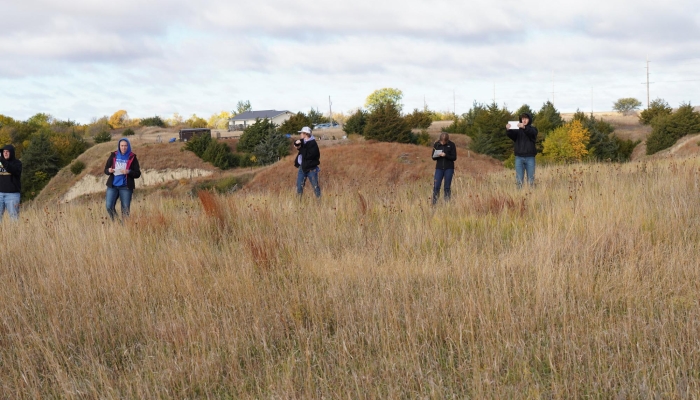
x,y
567,143
356,123
667,129
198,144
128,132
385,124
103,137
40,162
153,121
423,138
295,123
254,134
77,167
220,156
656,108
419,119
271,148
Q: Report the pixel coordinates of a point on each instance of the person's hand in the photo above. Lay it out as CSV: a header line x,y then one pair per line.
x,y
442,154
111,170
507,126
521,125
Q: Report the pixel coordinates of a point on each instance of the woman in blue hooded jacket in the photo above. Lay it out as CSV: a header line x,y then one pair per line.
x,y
122,167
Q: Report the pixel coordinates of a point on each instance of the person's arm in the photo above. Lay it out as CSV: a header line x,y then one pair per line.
x,y
14,167
108,165
432,153
135,169
313,152
512,134
531,132
452,154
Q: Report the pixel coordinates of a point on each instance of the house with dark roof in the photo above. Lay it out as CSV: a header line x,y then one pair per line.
x,y
244,120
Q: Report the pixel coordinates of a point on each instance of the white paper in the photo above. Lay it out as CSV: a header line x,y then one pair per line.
x,y
437,153
119,172
514,124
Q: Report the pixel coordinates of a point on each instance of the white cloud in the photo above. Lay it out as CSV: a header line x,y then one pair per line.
x,y
83,58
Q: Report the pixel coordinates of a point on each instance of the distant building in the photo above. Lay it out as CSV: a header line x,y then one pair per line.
x,y
187,134
244,120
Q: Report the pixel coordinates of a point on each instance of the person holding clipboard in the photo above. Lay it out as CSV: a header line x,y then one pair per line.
x,y
444,154
524,137
122,167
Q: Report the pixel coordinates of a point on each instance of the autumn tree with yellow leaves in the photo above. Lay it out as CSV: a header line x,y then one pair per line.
x,y
568,143
119,119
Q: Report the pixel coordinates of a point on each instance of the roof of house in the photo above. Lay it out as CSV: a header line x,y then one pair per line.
x,y
269,114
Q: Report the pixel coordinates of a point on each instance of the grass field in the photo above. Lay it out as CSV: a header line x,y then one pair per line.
x,y
586,286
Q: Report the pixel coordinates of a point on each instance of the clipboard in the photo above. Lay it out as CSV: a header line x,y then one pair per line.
x,y
437,153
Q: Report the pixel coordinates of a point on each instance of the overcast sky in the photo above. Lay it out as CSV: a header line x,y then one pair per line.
x,y
80,59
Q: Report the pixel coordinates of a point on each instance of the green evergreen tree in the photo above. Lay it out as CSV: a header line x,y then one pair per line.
x,y
254,135
294,124
656,108
547,119
103,137
524,109
385,124
356,123
273,147
40,163
198,144
316,117
419,119
667,129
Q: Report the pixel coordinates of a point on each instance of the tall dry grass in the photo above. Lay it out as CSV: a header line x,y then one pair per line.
x,y
586,286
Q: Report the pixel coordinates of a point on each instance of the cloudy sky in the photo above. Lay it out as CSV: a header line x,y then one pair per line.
x,y
80,59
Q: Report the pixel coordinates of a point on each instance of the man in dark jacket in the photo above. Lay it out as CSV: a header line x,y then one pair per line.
x,y
444,154
307,160
524,136
10,182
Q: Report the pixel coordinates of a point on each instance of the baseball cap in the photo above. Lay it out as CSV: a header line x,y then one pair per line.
x,y
306,130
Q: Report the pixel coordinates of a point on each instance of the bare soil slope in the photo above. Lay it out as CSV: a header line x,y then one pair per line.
x,y
369,164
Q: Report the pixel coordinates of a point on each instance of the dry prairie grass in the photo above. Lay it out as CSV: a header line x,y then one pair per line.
x,y
586,286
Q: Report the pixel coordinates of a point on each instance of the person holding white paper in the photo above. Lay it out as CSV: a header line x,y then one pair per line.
x,y
524,136
444,154
122,167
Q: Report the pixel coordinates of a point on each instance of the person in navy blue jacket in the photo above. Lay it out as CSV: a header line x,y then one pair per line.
x,y
444,165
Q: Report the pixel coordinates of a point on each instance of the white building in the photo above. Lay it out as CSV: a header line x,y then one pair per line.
x,y
244,120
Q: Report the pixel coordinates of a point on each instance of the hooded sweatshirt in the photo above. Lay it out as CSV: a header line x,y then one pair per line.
x,y
127,161
524,138
10,172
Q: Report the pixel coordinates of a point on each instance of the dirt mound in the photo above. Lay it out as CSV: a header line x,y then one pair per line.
x,y
371,164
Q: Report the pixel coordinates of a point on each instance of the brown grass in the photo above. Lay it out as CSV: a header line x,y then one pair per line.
x,y
586,286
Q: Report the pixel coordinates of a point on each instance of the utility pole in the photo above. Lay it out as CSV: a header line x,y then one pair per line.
x,y
330,110
552,86
494,93
425,105
647,82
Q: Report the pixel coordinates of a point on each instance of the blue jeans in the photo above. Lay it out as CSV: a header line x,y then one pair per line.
x,y
124,194
9,201
313,178
439,175
523,164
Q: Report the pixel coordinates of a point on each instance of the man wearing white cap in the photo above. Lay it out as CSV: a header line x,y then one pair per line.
x,y
307,160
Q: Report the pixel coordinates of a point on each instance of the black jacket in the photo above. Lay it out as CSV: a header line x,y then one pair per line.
x,y
10,172
447,162
133,167
524,139
310,156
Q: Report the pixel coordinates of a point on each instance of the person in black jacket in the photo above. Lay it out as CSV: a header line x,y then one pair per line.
x,y
524,136
122,167
10,182
444,154
307,160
